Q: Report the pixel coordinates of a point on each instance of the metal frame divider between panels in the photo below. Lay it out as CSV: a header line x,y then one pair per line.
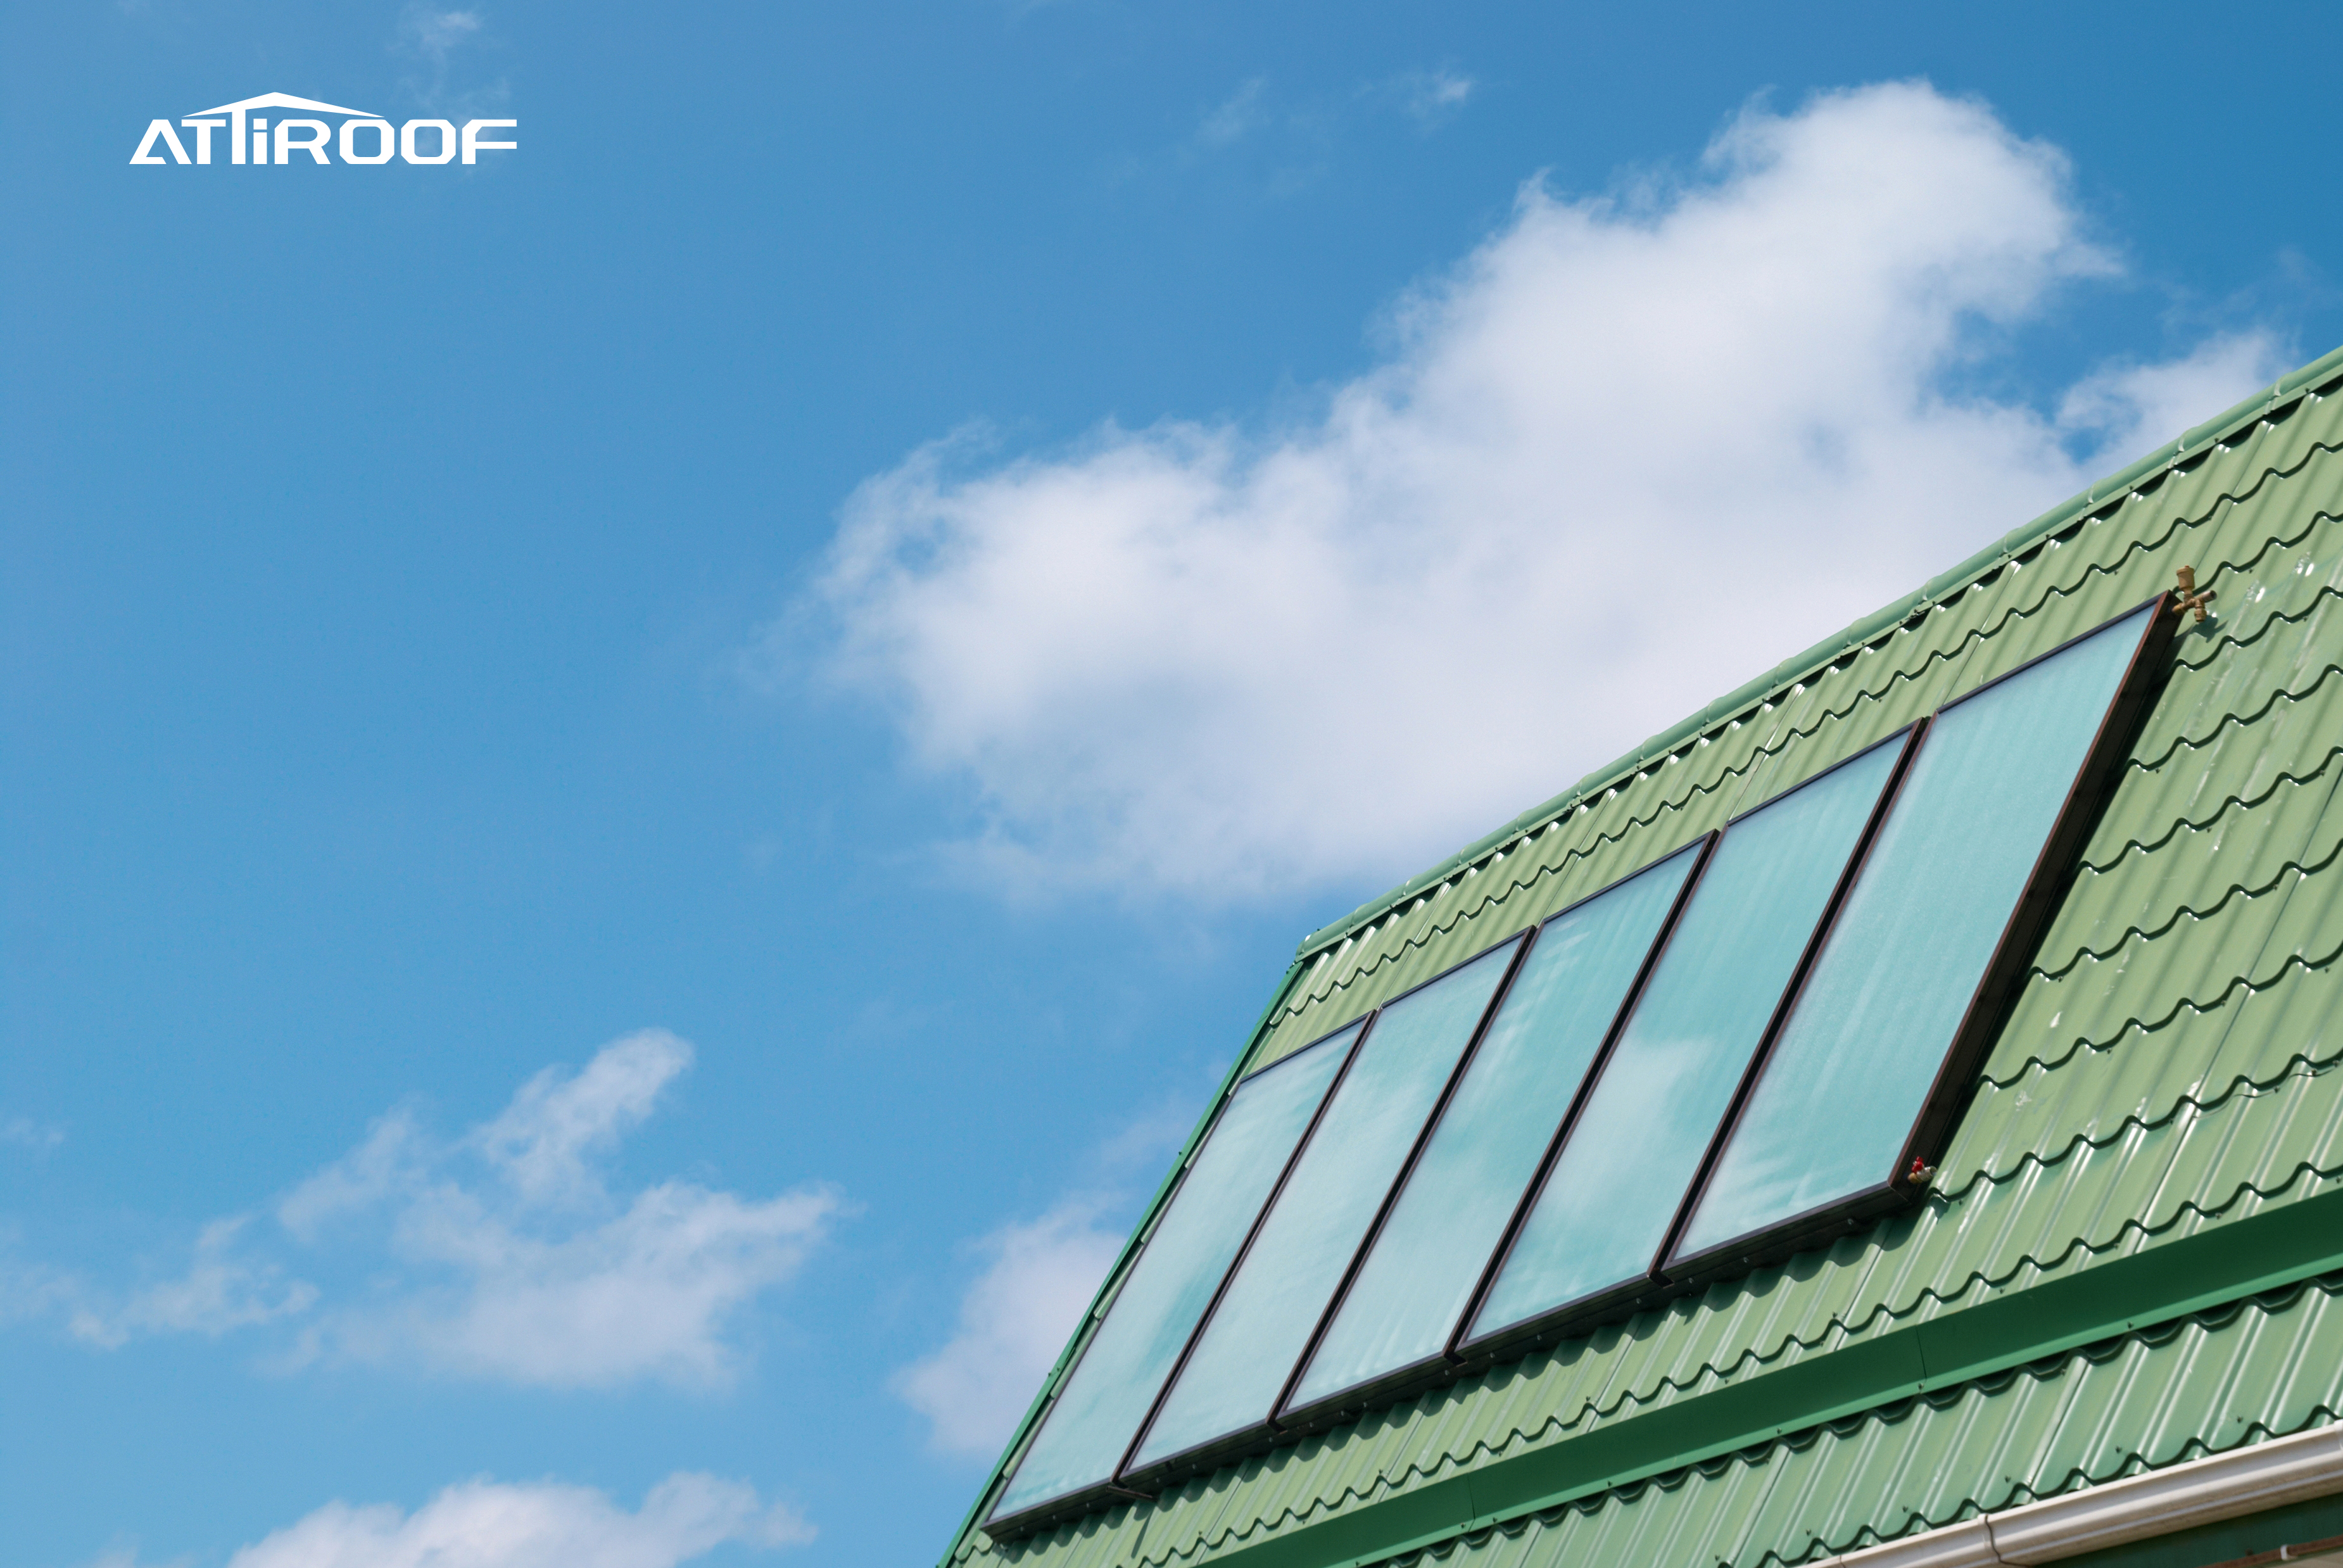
x,y
1915,736
1122,1483
1280,1418
1953,1083
1265,1433
1444,1364
1456,1352
1010,1527
1636,1293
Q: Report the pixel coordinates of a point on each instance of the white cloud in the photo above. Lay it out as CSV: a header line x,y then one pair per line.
x,y
1433,97
541,1273
1014,1319
490,1524
543,1140
446,40
27,1133
1230,121
33,1290
394,1155
1630,453
506,1253
221,1291
2141,405
435,32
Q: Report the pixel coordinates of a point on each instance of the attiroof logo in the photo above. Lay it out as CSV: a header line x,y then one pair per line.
x,y
363,138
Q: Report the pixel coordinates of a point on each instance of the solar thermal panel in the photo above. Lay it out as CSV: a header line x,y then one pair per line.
x,y
1425,1260
1097,1411
1604,1214
1873,1024
1248,1347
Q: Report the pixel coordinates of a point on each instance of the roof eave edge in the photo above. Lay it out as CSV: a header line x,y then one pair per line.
x,y
1796,668
2221,1486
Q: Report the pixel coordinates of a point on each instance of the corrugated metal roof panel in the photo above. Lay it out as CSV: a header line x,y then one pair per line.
x,y
2260,1370
2169,1070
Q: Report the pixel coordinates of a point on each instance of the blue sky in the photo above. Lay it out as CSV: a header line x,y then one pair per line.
x,y
645,781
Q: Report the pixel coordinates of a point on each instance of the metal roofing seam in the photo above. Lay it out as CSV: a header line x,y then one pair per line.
x,y
2185,1105
2195,903
2228,805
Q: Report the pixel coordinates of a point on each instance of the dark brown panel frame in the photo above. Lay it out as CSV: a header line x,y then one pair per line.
x,y
1996,990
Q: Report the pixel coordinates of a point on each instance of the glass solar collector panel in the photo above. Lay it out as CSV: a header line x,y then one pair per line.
x,y
1428,1256
1907,959
1234,1375
1106,1396
1723,1058
1604,1212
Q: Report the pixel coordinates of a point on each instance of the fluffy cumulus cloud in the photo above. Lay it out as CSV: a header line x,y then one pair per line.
x,y
503,1254
515,1260
222,1288
1015,1318
1632,451
488,1524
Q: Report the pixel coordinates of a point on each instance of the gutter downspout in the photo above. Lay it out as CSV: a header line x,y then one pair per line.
x,y
2138,1508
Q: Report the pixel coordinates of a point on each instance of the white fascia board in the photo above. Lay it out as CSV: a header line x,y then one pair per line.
x,y
2138,1508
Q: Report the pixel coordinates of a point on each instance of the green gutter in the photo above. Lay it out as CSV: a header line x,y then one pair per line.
x,y
1114,1280
2009,1328
1797,667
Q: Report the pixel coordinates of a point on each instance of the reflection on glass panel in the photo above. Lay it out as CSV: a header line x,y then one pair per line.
x,y
1612,1192
1878,1012
1099,1409
1452,1212
1257,1333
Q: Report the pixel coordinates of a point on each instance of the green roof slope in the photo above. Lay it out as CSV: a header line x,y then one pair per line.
x,y
2135,1239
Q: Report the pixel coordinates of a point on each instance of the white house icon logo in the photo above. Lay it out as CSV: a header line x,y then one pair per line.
x,y
363,138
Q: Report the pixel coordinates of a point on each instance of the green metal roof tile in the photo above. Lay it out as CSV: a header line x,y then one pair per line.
x,y
2294,1013
2264,1368
2136,992
2281,1139
2206,842
2088,1095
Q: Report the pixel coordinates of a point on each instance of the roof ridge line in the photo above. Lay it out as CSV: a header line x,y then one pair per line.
x,y
1855,636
